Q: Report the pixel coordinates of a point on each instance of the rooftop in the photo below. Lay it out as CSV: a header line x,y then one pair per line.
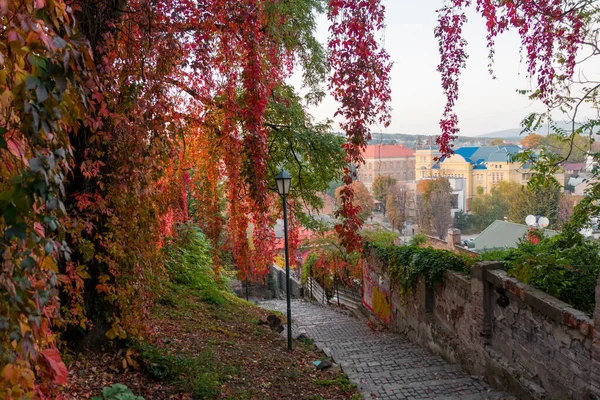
x,y
480,156
388,151
502,235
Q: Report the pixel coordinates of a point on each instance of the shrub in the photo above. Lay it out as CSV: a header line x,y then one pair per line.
x,y
565,267
380,236
188,261
188,258
117,391
418,240
406,264
198,375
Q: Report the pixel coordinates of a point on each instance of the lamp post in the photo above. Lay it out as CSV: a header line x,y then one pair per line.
x,y
284,182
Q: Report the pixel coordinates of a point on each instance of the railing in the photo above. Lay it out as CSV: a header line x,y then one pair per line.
x,y
315,291
350,297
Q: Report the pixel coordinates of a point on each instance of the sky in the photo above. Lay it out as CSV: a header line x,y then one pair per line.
x,y
484,105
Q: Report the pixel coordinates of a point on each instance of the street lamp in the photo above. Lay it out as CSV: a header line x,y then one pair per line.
x,y
284,182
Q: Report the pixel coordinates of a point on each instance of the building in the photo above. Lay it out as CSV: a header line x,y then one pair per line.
x,y
480,167
574,169
502,235
395,160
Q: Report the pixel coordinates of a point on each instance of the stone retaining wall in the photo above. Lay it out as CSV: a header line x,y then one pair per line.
x,y
521,339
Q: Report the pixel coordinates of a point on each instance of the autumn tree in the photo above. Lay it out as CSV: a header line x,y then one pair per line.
x,y
496,142
362,200
532,141
360,83
118,115
382,185
396,203
434,204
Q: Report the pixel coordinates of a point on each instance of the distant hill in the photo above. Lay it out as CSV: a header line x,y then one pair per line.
x,y
507,133
516,132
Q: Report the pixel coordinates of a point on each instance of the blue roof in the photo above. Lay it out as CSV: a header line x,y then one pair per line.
x,y
484,154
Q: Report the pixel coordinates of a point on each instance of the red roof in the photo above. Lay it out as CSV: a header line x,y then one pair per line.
x,y
388,151
574,166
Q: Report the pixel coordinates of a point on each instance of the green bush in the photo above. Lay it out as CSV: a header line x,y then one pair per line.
x,y
565,267
188,261
418,240
406,264
188,258
380,236
198,375
308,265
118,391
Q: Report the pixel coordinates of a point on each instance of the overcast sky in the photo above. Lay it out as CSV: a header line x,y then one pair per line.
x,y
484,105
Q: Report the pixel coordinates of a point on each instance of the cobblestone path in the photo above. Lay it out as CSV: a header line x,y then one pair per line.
x,y
383,365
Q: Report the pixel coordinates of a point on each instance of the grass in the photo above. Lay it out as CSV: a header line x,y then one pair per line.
x,y
209,346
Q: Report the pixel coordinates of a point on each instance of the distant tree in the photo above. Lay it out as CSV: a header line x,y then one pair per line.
x,y
496,142
362,199
396,202
381,188
434,199
542,200
487,208
532,141
441,217
571,149
566,204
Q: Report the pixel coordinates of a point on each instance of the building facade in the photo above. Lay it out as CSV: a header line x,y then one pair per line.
x,y
395,160
480,167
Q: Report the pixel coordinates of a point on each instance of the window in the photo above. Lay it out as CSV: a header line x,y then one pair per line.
x,y
370,178
454,201
422,158
422,174
397,164
370,166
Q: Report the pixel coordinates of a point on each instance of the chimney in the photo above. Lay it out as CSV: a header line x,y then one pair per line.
x,y
453,238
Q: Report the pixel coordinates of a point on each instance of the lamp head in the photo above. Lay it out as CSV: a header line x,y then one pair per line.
x,y
284,182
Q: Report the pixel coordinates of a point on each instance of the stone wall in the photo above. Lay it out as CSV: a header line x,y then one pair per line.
x,y
521,339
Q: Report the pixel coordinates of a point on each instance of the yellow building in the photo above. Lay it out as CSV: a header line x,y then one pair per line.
x,y
480,167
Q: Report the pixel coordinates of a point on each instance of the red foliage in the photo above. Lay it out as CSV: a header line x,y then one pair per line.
x,y
360,83
56,366
551,32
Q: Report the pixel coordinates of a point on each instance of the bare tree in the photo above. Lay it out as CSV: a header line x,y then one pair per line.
x,y
396,206
440,206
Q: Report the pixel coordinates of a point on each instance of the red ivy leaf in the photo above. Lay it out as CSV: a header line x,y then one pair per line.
x,y
56,365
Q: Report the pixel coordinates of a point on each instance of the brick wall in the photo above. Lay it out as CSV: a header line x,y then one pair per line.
x,y
521,339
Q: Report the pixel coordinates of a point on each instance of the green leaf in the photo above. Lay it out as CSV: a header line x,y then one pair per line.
x,y
37,61
42,93
32,82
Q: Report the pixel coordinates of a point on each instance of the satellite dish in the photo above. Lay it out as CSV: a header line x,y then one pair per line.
x,y
530,220
587,232
544,222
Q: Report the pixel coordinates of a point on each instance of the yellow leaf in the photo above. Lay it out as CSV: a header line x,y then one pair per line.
x,y
82,272
111,334
48,264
